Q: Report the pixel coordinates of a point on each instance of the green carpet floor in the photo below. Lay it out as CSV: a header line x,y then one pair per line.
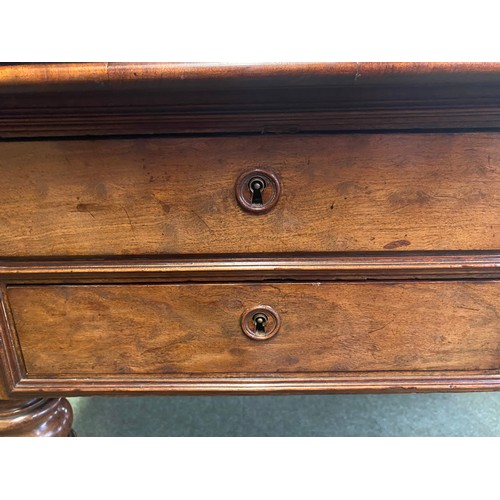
x,y
474,414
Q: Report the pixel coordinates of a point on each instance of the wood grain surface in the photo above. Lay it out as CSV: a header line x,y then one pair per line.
x,y
341,193
92,331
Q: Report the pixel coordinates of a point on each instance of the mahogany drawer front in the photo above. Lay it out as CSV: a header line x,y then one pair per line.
x,y
157,196
127,330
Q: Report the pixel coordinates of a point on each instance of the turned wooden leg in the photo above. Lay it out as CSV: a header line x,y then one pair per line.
x,y
39,417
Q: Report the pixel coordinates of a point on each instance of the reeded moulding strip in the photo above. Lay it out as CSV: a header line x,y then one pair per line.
x,y
230,268
297,383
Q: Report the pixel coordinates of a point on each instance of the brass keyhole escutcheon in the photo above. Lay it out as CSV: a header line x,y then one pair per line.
x,y
260,323
258,190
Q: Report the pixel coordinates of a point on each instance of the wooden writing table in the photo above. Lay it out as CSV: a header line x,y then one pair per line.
x,y
206,229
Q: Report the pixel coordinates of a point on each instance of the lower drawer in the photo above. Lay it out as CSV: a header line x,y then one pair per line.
x,y
130,330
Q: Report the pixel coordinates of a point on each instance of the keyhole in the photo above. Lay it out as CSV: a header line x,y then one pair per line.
x,y
256,186
260,321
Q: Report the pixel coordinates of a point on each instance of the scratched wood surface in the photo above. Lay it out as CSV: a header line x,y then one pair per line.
x,y
358,192
41,77
86,331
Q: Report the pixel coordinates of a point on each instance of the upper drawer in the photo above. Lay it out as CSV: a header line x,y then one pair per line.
x,y
359,192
